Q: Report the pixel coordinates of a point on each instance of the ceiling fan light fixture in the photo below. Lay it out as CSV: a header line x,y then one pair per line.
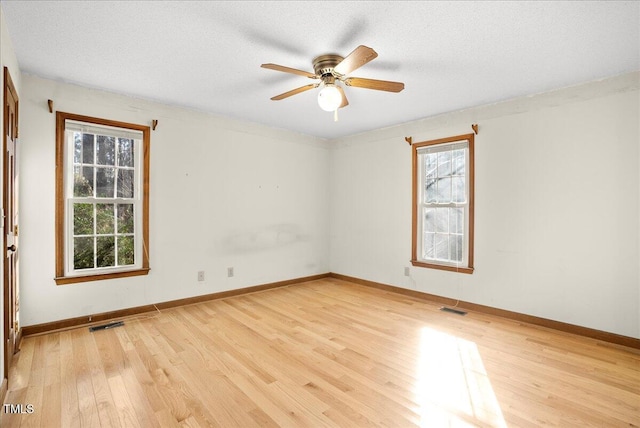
x,y
329,97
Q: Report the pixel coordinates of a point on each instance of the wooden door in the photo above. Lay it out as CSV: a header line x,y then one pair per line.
x,y
10,211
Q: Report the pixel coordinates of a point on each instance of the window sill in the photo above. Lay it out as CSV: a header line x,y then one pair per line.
x,y
62,280
464,269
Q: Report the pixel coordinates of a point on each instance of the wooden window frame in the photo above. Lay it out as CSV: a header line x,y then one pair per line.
x,y
468,267
61,278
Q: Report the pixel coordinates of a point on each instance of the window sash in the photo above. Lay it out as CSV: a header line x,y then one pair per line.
x,y
71,235
422,232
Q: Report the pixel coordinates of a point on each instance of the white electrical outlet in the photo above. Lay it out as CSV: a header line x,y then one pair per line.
x,y
407,272
201,275
229,272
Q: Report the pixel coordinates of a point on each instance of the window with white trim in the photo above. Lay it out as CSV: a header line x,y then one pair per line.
x,y
102,199
443,204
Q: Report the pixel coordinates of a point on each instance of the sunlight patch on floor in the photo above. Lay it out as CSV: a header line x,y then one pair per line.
x,y
453,388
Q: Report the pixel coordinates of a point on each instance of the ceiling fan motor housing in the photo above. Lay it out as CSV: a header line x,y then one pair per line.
x,y
324,65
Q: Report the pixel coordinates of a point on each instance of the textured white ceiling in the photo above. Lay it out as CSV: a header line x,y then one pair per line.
x,y
207,55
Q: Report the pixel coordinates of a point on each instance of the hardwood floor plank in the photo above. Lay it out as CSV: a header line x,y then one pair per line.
x,y
325,353
125,408
140,405
100,372
34,397
270,405
70,413
38,363
52,405
166,419
21,368
14,397
262,419
52,364
86,394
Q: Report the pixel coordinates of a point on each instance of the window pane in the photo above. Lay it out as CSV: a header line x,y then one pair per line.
x,y
444,190
430,165
87,148
106,150
82,186
444,164
87,173
459,162
428,245
105,251
125,152
455,246
125,218
77,147
82,253
442,247
429,220
83,219
105,182
459,194
456,220
430,191
125,183
105,219
125,250
442,219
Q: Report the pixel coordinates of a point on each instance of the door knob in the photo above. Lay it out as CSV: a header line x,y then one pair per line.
x,y
12,248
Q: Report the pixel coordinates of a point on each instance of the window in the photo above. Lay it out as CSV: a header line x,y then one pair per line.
x,y
102,199
443,204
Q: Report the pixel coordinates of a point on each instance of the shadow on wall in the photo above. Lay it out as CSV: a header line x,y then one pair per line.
x,y
263,239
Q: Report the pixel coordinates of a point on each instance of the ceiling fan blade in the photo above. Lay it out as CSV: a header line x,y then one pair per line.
x,y
294,92
378,85
289,70
345,101
356,59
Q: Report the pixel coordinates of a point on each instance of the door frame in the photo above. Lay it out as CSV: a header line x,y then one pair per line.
x,y
12,333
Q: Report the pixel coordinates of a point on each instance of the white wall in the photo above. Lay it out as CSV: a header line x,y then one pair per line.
x,y
557,206
7,59
223,194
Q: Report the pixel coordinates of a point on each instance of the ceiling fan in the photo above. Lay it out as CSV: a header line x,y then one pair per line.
x,y
331,70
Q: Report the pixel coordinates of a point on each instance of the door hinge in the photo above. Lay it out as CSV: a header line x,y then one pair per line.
x,y
15,230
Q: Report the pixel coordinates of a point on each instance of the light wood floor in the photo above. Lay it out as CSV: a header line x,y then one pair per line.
x,y
322,353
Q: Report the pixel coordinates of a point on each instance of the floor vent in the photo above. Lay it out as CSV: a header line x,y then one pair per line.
x,y
453,311
106,326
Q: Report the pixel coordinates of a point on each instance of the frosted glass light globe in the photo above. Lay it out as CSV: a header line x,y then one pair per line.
x,y
329,98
